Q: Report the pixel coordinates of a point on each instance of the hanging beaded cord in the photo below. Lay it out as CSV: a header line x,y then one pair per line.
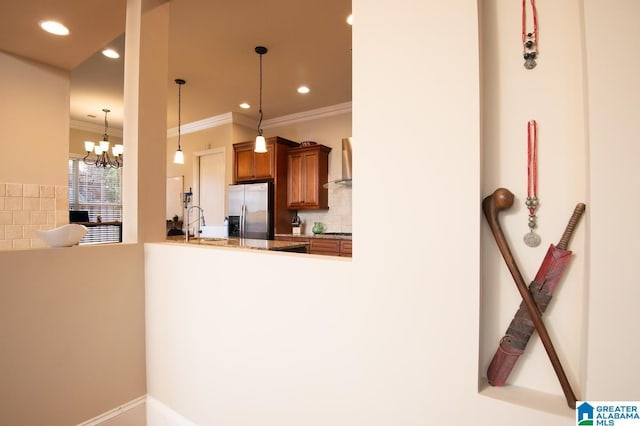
x,y
529,39
532,239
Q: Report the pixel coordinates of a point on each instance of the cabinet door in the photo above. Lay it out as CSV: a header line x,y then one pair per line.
x,y
303,183
244,164
295,181
325,246
346,247
310,184
252,166
263,163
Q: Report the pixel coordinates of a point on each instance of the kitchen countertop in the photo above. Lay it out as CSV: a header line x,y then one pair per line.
x,y
247,243
336,236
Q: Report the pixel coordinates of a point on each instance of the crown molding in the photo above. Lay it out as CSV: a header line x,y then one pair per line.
x,y
229,118
206,123
94,128
243,120
314,114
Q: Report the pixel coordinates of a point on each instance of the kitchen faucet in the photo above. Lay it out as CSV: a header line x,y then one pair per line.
x,y
201,219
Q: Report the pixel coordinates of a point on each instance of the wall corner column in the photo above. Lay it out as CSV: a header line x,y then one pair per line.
x,y
145,120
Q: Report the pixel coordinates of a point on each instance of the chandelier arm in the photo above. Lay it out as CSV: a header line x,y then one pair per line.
x,y
87,161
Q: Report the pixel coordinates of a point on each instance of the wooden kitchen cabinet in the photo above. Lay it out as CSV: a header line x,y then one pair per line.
x,y
271,166
346,247
323,246
307,171
251,166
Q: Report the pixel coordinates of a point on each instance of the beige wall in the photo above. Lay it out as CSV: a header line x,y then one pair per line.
x,y
34,138
72,339
34,135
72,319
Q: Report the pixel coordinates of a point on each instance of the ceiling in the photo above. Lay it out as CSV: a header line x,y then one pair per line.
x,y
211,46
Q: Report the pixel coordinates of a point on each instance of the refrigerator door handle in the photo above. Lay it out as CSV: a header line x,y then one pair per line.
x,y
243,212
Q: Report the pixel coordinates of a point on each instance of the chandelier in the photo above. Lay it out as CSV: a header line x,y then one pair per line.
x,y
101,150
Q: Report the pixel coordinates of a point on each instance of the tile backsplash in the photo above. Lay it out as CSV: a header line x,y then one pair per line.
x,y
337,218
26,207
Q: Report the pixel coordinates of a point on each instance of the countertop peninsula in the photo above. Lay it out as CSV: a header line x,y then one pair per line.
x,y
246,243
328,235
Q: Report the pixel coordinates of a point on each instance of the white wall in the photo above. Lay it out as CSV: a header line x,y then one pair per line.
x,y
395,336
613,91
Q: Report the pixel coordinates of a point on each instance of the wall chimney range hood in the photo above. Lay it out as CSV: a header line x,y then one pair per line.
x,y
346,165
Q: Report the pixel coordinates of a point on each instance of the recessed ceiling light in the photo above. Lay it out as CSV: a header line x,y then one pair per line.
x,y
110,53
350,19
303,89
245,105
54,27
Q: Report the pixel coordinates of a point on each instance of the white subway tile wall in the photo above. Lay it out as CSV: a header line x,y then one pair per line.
x,y
25,208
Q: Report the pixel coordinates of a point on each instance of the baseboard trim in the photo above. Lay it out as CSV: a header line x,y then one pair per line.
x,y
114,412
159,414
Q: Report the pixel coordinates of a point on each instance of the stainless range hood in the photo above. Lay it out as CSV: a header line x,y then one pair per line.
x,y
346,165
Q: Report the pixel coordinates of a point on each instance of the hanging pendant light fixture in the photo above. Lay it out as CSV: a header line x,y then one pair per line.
x,y
101,150
261,143
178,157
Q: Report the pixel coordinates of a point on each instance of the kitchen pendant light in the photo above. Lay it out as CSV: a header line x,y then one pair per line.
x,y
178,157
261,143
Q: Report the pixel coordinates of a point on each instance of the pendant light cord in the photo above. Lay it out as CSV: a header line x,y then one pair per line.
x,y
179,109
260,110
106,125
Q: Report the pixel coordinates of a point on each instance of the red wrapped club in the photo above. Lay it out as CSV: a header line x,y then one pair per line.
x,y
515,340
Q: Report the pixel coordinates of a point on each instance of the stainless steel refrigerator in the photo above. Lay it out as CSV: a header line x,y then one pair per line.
x,y
250,210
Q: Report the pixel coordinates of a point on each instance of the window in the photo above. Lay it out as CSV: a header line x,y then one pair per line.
x,y
98,191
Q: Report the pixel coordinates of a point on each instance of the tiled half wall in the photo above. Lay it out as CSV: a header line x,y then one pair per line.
x,y
27,207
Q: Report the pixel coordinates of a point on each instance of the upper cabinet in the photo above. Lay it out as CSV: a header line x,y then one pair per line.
x,y
251,166
307,171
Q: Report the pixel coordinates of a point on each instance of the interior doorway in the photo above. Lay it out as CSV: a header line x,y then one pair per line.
x,y
209,181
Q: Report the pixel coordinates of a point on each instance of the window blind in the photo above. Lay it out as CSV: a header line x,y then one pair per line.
x,y
98,191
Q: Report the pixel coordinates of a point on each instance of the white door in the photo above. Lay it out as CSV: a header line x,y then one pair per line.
x,y
211,185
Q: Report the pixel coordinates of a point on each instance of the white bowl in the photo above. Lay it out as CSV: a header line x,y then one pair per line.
x,y
63,236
